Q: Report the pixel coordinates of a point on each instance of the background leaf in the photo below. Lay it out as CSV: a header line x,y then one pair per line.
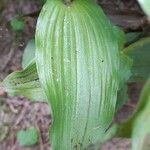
x,y
28,137
145,4
132,37
140,53
29,53
17,24
141,125
138,125
25,83
125,73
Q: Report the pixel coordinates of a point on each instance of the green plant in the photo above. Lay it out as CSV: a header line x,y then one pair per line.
x,y
17,24
28,137
141,121
73,64
145,4
137,126
80,69
29,53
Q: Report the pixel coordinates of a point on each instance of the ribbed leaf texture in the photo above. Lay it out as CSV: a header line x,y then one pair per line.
x,y
78,62
25,83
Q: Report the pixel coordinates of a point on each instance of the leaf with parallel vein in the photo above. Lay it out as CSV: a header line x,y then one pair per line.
x,y
78,62
25,83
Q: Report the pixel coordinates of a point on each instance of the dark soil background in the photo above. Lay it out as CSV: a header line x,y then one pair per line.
x,y
18,113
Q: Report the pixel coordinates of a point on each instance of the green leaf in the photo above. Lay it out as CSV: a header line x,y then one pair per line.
x,y
25,83
120,36
29,54
17,24
132,37
139,63
28,137
138,125
43,1
125,72
78,61
122,97
139,52
141,125
145,4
